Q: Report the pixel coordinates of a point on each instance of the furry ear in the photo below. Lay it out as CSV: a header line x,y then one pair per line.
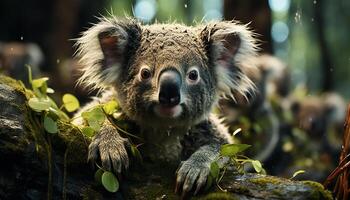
x,y
104,49
230,47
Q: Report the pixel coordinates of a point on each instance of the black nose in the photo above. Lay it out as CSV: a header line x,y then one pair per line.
x,y
170,84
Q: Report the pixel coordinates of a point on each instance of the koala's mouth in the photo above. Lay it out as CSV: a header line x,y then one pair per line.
x,y
168,111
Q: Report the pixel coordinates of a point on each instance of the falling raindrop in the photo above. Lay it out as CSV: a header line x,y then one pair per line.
x,y
185,5
22,38
315,1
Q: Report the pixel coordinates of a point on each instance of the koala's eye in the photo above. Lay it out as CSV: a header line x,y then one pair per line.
x,y
193,75
145,73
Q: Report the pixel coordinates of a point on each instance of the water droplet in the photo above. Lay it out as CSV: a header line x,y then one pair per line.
x,y
22,38
185,5
297,17
315,1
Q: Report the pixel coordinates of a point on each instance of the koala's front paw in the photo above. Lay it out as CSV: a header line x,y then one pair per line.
x,y
109,146
192,174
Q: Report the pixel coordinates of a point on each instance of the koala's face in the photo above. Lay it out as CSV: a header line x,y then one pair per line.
x,y
167,75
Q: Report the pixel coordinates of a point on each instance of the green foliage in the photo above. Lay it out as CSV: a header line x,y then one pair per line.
x,y
47,109
297,173
39,105
214,169
232,152
70,102
49,114
94,117
232,149
110,107
88,131
136,153
257,165
50,125
98,176
109,181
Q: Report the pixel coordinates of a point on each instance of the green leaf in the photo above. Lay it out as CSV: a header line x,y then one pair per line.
x,y
136,153
94,125
30,78
50,125
95,117
232,149
98,115
110,182
39,104
37,83
95,114
88,131
297,173
98,176
110,107
209,183
50,91
70,102
214,169
257,165
43,88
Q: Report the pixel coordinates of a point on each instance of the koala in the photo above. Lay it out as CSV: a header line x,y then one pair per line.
x,y
166,78
271,78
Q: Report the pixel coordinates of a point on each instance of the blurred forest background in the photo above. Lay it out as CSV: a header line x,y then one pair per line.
x,y
310,37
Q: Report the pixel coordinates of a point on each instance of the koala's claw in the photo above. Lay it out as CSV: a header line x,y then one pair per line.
x,y
109,147
191,175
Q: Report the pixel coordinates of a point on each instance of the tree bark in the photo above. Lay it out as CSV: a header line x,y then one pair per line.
x,y
325,57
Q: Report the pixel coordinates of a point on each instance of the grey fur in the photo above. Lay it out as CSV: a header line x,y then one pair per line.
x,y
218,50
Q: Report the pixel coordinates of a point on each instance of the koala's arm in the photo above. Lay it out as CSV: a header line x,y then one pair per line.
x,y
202,147
107,145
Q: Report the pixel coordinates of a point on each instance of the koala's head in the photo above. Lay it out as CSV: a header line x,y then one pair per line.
x,y
166,74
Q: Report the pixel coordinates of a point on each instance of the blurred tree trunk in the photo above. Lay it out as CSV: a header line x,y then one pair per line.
x,y
326,61
256,12
65,18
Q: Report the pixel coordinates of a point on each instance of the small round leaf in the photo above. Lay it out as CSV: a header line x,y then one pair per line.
x,y
50,125
88,131
39,104
110,182
98,176
70,102
110,107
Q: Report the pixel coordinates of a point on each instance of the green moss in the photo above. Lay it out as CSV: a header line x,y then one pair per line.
x,y
268,180
319,191
242,190
16,85
220,196
73,141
